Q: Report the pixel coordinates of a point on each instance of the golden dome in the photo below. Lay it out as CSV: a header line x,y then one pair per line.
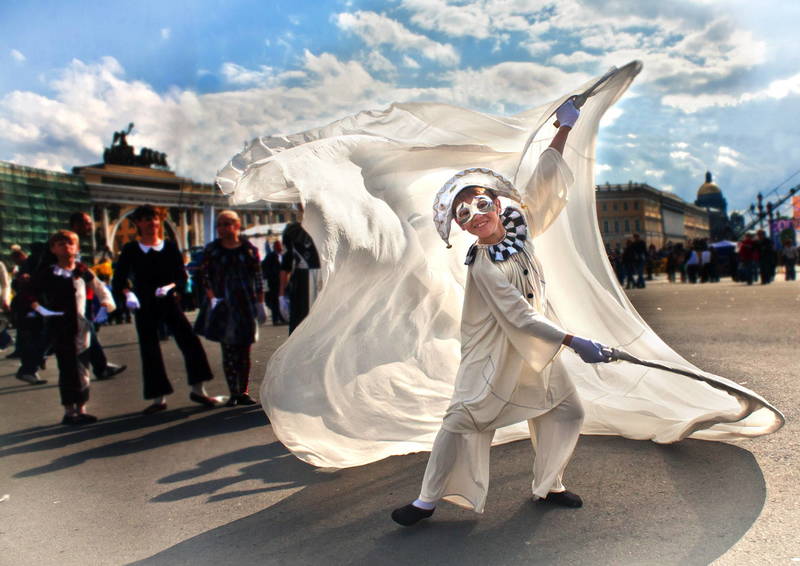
x,y
709,187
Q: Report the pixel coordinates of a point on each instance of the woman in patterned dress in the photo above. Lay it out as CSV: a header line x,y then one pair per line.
x,y
231,273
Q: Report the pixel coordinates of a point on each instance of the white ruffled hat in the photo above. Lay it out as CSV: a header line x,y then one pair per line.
x,y
473,177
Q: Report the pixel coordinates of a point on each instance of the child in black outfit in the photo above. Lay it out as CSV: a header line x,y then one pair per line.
x,y
59,295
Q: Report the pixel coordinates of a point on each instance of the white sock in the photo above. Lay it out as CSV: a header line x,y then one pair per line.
x,y
418,503
199,390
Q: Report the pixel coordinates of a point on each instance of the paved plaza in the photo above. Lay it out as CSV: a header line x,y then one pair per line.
x,y
198,486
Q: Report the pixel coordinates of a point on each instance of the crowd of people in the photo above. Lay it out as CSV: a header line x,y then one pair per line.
x,y
749,260
57,301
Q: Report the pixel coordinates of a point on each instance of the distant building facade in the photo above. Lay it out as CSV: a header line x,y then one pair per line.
x,y
34,203
37,202
709,197
657,216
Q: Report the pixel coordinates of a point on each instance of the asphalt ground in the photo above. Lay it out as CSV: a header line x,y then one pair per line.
x,y
198,486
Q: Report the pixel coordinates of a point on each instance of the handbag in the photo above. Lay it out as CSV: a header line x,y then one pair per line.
x,y
212,323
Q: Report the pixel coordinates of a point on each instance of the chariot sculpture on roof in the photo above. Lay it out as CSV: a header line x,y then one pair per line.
x,y
121,153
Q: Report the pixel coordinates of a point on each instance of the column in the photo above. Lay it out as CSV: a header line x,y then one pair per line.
x,y
106,228
184,230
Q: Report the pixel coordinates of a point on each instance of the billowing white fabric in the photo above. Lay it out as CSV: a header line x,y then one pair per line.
x,y
370,371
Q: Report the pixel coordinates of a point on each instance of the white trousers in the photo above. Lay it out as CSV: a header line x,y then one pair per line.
x,y
458,467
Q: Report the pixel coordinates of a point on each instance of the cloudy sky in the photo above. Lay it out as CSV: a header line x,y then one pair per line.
x,y
720,88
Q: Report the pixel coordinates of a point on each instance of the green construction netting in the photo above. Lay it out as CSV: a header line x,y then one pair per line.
x,y
35,203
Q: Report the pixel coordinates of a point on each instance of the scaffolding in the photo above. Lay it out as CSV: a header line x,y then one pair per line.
x,y
35,203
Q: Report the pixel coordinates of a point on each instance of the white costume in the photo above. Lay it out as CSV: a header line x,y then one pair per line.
x,y
371,370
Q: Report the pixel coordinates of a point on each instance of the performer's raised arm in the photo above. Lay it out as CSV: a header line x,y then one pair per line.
x,y
545,193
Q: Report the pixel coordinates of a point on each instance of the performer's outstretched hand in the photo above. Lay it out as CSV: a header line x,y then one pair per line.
x,y
590,351
567,114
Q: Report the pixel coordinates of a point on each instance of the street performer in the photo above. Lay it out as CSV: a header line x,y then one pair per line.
x,y
509,369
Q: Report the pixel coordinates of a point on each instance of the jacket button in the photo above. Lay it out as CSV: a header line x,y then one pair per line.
x,y
530,295
525,272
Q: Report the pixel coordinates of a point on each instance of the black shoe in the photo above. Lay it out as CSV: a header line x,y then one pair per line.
x,y
13,356
79,419
563,498
203,400
110,371
155,408
410,515
245,399
233,401
31,378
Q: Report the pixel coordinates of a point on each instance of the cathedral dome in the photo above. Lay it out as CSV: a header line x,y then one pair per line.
x,y
709,187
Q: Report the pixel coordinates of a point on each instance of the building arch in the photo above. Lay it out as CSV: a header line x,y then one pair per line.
x,y
125,228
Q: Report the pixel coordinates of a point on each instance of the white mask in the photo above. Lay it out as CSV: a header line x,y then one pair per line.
x,y
466,211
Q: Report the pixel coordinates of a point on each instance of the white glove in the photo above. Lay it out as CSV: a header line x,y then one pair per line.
x,y
567,114
261,313
163,291
47,312
214,302
132,301
101,316
283,306
590,351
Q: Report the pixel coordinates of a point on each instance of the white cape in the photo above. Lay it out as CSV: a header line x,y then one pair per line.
x,y
370,372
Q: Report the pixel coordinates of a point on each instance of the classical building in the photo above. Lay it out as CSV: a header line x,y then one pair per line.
x,y
709,197
657,216
36,202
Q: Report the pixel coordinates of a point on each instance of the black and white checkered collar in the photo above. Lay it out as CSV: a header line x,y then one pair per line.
x,y
516,234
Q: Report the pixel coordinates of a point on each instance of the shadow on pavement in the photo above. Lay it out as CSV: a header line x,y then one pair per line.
x,y
271,464
217,422
645,504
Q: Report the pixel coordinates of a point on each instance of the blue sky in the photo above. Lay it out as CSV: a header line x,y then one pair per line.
x,y
720,88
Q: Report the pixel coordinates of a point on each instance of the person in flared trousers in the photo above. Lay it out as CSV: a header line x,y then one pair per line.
x,y
151,276
512,365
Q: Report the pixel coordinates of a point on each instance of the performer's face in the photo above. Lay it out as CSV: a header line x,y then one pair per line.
x,y
478,214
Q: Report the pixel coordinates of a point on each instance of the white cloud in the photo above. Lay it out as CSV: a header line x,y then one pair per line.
x,y
453,20
375,61
238,75
574,58
377,29
166,33
18,56
198,132
602,167
657,173
611,116
535,47
728,156
521,83
410,62
776,90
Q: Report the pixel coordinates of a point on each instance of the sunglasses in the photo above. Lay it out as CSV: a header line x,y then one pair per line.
x,y
466,211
